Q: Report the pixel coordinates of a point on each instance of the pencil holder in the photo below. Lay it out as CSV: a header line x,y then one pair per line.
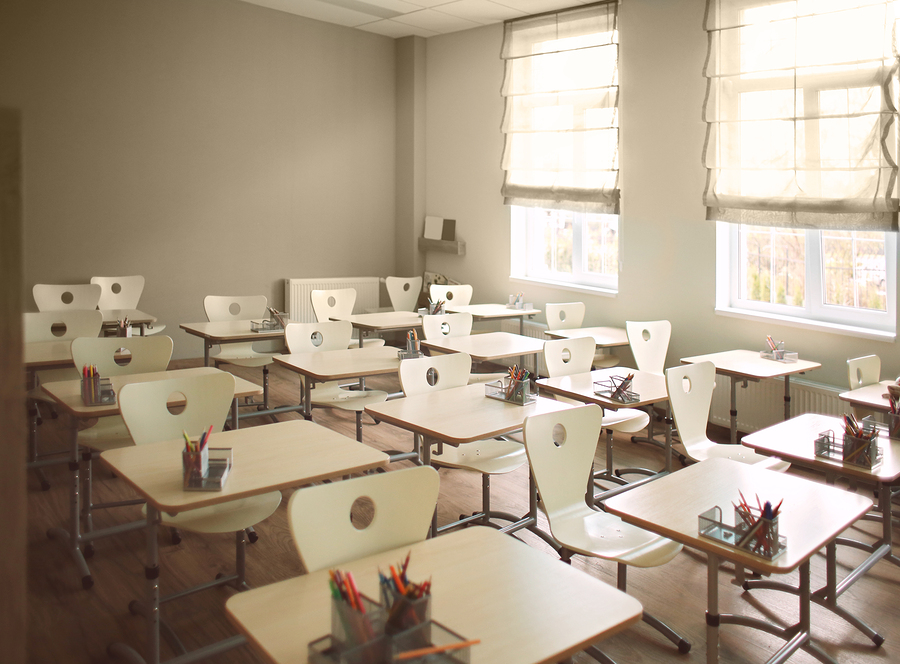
x,y
512,391
403,612
327,651
195,466
435,308
96,391
890,427
860,451
779,354
358,634
616,388
754,532
430,635
124,331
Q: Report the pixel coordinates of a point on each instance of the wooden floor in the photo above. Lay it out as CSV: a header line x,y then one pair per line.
x,y
74,626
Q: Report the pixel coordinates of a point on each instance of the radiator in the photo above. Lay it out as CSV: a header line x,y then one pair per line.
x,y
299,306
531,329
762,404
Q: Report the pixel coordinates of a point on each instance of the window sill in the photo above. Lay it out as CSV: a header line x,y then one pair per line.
x,y
818,326
563,285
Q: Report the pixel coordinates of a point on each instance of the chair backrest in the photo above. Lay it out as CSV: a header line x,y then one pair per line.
x,y
649,341
690,388
323,529
119,292
564,315
561,447
404,292
565,357
334,303
312,337
70,324
447,325
207,400
148,354
431,374
457,294
862,371
61,297
235,307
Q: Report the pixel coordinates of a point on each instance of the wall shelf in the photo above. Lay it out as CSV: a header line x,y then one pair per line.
x,y
447,246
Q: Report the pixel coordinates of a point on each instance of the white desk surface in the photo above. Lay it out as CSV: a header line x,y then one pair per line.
x,y
874,396
651,387
793,440
748,364
229,331
343,363
526,607
489,346
459,415
487,311
265,458
43,354
811,515
604,337
67,393
385,320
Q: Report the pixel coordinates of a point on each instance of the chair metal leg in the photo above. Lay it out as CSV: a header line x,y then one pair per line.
x,y
684,646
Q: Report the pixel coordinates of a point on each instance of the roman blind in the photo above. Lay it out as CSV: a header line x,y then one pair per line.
x,y
560,121
802,114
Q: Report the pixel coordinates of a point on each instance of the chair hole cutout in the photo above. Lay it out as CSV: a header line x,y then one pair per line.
x,y
686,385
432,376
58,329
859,376
645,335
362,512
406,287
562,316
449,295
234,309
445,329
558,435
67,297
116,288
176,403
566,356
122,357
316,338
331,301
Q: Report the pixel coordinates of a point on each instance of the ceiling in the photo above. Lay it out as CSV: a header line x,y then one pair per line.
x,y
425,18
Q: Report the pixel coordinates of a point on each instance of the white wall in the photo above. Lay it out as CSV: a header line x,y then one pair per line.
x,y
214,146
667,247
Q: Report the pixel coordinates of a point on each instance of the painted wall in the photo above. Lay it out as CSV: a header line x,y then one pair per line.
x,y
667,247
214,146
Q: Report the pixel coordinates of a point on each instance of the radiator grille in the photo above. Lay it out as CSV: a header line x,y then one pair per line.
x,y
299,307
531,329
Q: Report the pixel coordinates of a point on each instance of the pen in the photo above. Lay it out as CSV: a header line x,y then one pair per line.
x,y
434,650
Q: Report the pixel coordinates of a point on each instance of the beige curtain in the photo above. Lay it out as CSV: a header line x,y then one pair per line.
x,y
801,112
560,121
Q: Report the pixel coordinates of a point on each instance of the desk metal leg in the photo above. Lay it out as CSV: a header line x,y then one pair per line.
x,y
234,414
206,347
787,397
307,397
733,380
712,608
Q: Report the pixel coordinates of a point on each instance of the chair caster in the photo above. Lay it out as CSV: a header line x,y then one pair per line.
x,y
878,639
219,576
45,485
684,647
252,537
88,551
87,582
134,607
176,536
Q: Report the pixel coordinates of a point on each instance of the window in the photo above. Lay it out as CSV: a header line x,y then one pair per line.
x,y
561,145
801,152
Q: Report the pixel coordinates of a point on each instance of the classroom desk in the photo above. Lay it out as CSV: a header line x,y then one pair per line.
x,y
811,515
793,440
524,606
650,387
870,397
604,337
492,312
462,415
384,321
747,365
111,318
47,355
488,347
228,332
265,458
67,395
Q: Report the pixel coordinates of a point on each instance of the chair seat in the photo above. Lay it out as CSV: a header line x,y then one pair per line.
x,y
109,433
243,358
490,457
332,395
603,535
374,342
486,377
154,329
625,420
738,453
605,360
227,517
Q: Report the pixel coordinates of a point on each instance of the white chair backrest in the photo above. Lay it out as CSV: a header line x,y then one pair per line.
x,y
335,303
561,447
240,307
456,294
565,357
71,324
564,315
404,292
863,371
313,337
431,374
148,354
649,341
690,388
325,534
119,292
207,400
60,297
447,325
